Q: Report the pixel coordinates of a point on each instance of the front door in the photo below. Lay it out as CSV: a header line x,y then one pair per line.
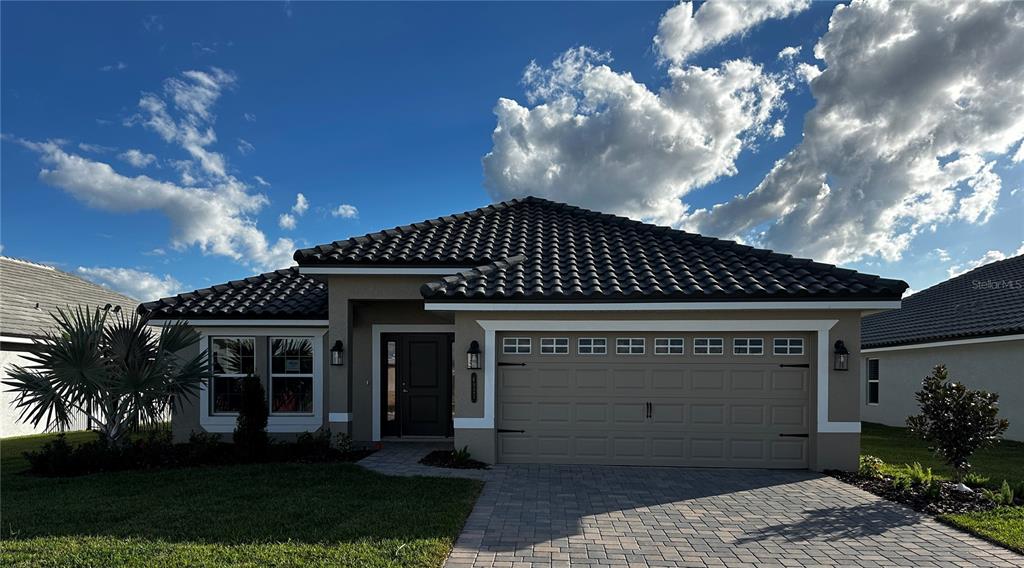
x,y
417,384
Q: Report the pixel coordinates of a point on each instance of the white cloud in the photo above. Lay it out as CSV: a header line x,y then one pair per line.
x,y
301,204
345,211
807,72
287,221
943,254
987,258
291,220
249,117
683,32
95,148
261,181
143,286
909,292
119,66
912,109
245,147
789,52
137,158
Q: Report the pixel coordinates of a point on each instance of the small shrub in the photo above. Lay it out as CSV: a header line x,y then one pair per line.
x,y
461,457
55,457
313,446
933,491
975,480
870,466
204,447
901,483
250,434
919,475
1002,497
343,442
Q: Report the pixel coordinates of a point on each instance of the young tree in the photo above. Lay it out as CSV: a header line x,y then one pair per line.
x,y
955,420
250,434
118,371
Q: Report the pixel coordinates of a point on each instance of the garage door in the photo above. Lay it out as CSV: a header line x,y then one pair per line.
x,y
711,400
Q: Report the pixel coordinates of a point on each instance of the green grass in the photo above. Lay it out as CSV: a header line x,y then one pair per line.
x,y
247,515
898,447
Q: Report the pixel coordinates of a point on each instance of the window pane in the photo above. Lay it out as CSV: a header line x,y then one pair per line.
x,y
292,394
227,394
233,355
873,369
392,382
873,392
292,355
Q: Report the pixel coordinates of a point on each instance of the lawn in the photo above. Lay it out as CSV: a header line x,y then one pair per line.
x,y
1005,526
248,515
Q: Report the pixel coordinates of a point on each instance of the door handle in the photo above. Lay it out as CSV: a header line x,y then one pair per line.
x,y
649,408
795,435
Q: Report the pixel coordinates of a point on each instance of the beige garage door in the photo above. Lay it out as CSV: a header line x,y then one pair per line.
x,y
712,400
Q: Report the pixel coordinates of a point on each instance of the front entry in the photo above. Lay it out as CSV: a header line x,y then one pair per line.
x,y
417,384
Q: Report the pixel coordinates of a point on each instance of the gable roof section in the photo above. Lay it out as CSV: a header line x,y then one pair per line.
x,y
537,250
30,292
985,302
281,294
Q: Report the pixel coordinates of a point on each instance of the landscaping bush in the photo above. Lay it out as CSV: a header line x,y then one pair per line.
x,y
1002,497
870,466
250,434
975,480
919,475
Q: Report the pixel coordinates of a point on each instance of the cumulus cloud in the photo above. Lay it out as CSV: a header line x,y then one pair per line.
x,y
301,204
912,104
287,221
683,32
249,117
290,220
137,158
987,258
138,284
345,211
789,52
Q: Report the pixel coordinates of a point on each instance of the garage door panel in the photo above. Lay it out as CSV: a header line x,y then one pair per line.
x,y
748,380
667,380
747,414
789,416
629,379
707,414
629,413
708,380
554,412
791,381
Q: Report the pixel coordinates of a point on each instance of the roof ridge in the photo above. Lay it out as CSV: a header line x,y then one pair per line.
x,y
963,275
32,263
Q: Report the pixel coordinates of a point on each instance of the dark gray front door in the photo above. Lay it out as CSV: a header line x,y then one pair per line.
x,y
423,376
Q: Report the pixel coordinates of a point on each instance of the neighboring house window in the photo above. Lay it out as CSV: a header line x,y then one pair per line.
x,y
630,345
872,381
554,345
708,346
291,375
592,346
516,345
748,346
668,346
789,346
232,359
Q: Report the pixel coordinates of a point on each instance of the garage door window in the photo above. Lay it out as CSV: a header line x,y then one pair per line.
x,y
592,346
789,346
708,346
516,345
748,346
554,346
872,381
630,346
668,346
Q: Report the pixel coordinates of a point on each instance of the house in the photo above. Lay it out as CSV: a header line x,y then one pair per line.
x,y
29,293
531,331
973,324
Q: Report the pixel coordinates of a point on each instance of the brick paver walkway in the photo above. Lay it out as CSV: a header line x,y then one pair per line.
x,y
631,516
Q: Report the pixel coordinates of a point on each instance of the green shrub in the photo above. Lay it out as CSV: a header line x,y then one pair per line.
x,y
1002,497
54,457
933,490
901,483
975,480
461,457
870,466
313,446
919,475
250,434
204,447
343,442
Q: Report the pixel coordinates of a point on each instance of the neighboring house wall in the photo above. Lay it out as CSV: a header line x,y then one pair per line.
x,y
10,422
996,367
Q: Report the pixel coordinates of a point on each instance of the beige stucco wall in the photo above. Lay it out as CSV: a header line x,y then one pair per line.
x,y
996,367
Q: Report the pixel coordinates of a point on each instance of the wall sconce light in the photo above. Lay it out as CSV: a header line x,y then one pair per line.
x,y
841,356
473,356
338,353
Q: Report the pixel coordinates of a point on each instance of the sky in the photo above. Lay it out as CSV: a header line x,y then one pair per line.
x,y
156,148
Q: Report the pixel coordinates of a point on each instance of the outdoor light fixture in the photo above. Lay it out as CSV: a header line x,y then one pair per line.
x,y
841,357
473,356
338,353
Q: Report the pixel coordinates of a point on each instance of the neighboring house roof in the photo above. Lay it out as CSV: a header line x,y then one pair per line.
x,y
987,301
282,294
30,292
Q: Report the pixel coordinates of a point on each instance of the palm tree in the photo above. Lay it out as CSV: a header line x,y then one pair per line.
x,y
118,371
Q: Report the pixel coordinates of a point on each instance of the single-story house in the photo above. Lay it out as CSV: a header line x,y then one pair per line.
x,y
532,331
973,324
29,293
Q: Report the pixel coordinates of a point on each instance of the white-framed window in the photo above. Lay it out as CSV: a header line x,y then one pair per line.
x,y
668,346
231,360
872,394
788,346
630,345
748,346
554,346
592,346
291,375
516,345
708,346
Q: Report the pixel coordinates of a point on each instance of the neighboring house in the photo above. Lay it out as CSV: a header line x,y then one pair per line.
x,y
29,293
532,331
973,324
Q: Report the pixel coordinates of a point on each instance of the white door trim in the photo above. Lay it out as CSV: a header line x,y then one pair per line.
x,y
376,331
820,327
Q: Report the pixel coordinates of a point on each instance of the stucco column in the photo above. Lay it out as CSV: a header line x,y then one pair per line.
x,y
339,412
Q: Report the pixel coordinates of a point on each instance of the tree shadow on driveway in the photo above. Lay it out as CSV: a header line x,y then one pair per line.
x,y
839,523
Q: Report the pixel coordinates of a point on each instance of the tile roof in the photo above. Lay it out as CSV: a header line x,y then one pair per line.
x,y
281,294
29,292
535,249
987,301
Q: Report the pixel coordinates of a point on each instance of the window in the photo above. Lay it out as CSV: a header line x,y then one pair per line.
x,y
291,375
516,345
872,381
232,359
592,346
554,346
630,346
668,346
748,346
708,346
789,346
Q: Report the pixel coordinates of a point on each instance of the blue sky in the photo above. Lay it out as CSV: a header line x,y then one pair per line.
x,y
389,109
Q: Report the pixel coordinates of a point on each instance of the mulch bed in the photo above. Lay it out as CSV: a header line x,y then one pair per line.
x,y
950,501
446,458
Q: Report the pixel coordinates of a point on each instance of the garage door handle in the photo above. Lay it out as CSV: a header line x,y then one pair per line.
x,y
507,431
648,410
794,435
500,364
801,365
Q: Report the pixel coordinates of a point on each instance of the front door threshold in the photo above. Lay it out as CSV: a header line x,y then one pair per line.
x,y
416,439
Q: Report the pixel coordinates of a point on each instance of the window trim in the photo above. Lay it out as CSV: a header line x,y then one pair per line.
x,y
208,341
877,381
592,346
709,346
631,345
789,346
518,346
554,345
271,376
747,346
669,346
